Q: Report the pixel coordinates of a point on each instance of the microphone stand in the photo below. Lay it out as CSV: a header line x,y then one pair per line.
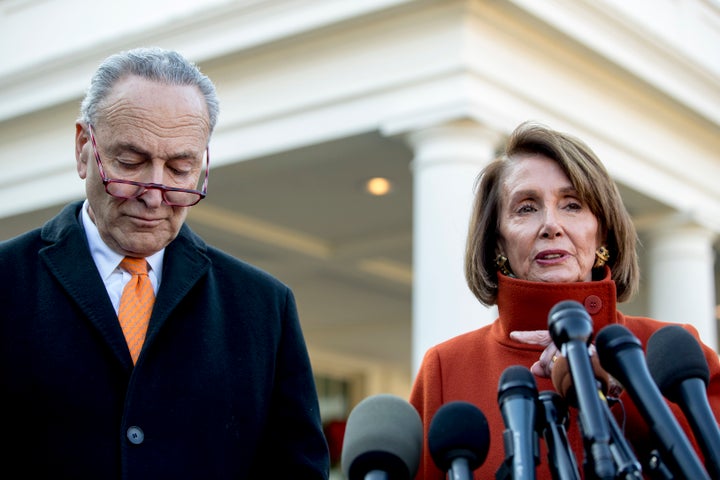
x,y
598,462
628,467
459,469
505,471
561,460
657,468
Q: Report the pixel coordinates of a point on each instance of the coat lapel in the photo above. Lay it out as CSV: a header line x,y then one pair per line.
x,y
68,259
185,262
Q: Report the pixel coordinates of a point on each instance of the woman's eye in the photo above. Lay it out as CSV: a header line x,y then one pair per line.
x,y
574,206
527,208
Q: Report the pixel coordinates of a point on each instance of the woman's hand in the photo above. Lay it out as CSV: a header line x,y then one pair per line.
x,y
543,367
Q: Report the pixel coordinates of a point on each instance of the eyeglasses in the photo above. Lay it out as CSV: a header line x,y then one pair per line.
x,y
173,196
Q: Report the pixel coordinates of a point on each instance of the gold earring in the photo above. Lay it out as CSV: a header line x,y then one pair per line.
x,y
602,255
501,262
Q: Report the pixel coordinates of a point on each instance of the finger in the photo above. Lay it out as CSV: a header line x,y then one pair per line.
x,y
533,337
539,370
549,355
553,354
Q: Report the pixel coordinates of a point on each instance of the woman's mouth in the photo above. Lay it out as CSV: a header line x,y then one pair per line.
x,y
551,257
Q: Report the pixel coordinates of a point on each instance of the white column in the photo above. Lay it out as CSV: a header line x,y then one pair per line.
x,y
681,277
447,160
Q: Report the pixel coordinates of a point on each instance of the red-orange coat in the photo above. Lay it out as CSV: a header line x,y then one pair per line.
x,y
468,367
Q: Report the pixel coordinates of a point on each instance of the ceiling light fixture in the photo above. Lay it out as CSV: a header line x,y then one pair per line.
x,y
378,186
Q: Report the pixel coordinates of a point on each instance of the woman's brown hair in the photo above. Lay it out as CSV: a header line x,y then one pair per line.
x,y
595,188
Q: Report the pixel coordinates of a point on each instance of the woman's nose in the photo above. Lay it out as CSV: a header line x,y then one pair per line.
x,y
551,227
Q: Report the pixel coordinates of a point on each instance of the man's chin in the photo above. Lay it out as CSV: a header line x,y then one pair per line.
x,y
141,244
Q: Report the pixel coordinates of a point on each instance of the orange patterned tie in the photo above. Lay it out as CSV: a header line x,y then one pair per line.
x,y
136,304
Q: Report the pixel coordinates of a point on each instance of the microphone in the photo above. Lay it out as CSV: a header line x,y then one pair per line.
x,y
627,464
458,439
571,330
517,396
679,368
383,440
561,460
622,356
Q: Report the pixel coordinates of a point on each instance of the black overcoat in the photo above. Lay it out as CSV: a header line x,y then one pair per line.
x,y
223,388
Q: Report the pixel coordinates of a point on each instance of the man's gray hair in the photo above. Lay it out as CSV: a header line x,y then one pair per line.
x,y
156,64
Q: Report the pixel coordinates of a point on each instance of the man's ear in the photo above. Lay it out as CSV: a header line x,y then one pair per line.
x,y
82,137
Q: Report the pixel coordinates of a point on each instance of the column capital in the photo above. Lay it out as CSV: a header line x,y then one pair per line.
x,y
458,141
675,224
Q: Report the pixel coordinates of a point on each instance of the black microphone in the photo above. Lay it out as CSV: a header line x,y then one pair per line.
x,y
383,440
622,356
626,463
458,439
678,366
554,415
571,330
517,397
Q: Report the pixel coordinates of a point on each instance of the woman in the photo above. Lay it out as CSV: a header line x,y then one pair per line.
x,y
548,225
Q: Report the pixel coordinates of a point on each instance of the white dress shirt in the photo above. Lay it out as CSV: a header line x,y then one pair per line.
x,y
108,261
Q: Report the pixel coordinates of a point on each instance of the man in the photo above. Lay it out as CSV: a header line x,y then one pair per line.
x,y
218,384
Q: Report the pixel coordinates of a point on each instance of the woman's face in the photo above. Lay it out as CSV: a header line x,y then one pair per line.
x,y
546,232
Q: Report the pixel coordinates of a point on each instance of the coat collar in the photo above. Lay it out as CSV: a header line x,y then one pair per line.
x,y
525,305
